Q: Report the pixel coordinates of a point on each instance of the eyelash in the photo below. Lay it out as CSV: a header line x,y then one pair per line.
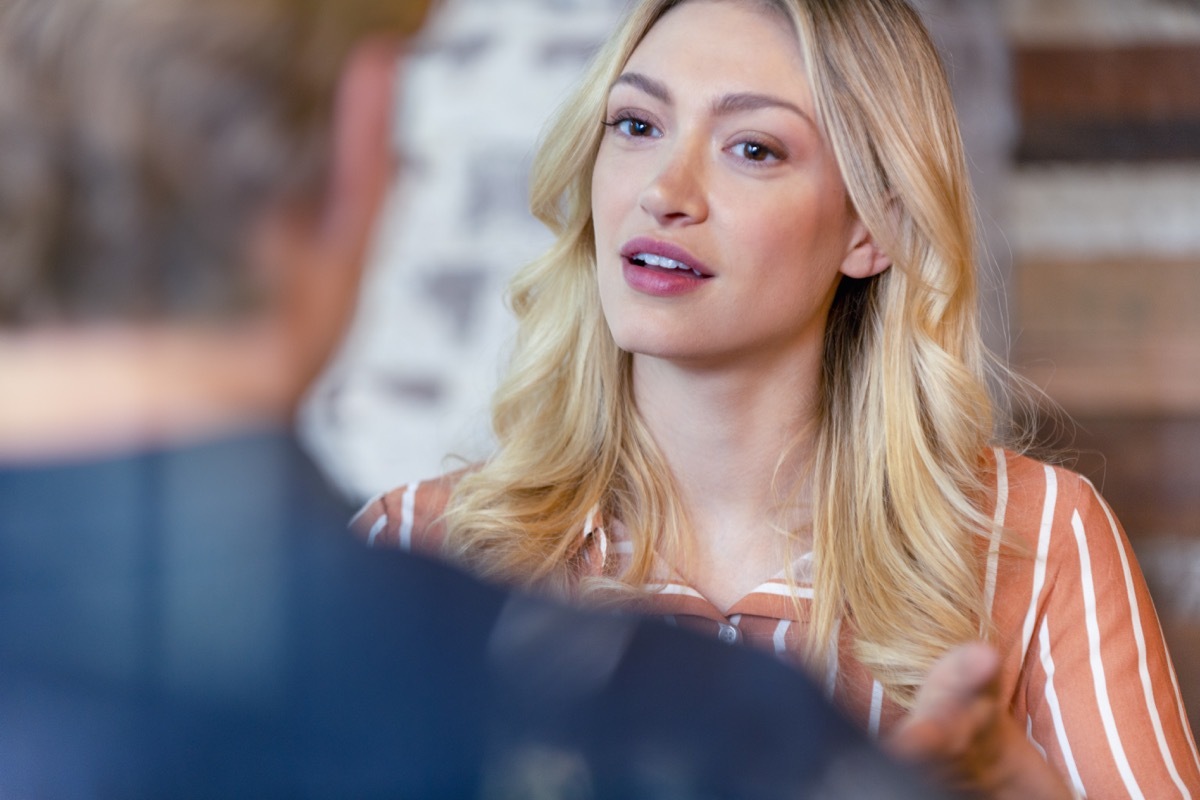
x,y
772,154
619,120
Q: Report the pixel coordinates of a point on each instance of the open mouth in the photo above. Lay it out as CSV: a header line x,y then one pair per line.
x,y
657,262
664,264
661,268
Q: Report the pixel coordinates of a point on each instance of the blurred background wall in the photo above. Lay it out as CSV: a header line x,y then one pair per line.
x,y
1103,215
418,370
1082,122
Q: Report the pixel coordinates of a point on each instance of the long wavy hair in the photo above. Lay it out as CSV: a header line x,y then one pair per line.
x,y
899,474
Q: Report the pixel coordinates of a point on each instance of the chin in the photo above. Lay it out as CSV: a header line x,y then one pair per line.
x,y
655,338
656,347
638,345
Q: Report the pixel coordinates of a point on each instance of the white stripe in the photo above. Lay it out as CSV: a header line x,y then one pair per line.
x,y
782,590
1139,637
376,529
989,592
407,505
1076,794
876,709
1099,679
1064,744
831,666
1183,715
780,637
1029,735
589,527
1039,567
735,620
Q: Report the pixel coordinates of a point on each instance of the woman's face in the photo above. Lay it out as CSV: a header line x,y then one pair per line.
x,y
720,217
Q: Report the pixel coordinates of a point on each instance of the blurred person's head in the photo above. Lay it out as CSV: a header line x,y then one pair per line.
x,y
211,164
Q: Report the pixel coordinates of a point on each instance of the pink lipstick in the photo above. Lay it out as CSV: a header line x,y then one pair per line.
x,y
661,269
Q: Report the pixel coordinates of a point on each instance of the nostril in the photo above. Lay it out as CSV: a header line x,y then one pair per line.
x,y
674,197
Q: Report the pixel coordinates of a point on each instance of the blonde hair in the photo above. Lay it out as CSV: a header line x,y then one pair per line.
x,y
898,473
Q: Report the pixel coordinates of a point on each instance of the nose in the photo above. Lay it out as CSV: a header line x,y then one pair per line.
x,y
676,191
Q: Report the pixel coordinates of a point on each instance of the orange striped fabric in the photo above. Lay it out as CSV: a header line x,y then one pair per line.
x,y
1085,668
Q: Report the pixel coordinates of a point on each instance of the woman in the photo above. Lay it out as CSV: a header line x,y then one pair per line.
x,y
748,394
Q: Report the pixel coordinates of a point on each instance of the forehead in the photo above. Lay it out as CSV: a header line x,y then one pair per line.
x,y
733,40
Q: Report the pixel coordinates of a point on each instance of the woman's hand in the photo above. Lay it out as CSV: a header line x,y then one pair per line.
x,y
961,730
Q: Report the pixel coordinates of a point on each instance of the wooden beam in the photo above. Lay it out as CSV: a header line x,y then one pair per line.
x,y
1108,102
1108,337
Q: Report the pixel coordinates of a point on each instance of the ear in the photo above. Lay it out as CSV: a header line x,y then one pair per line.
x,y
315,255
361,162
864,257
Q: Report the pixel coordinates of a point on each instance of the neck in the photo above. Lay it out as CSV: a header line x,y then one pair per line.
x,y
737,441
80,391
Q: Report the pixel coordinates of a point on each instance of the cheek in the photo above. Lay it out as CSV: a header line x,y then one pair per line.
x,y
604,233
611,307
787,247
614,190
603,200
817,235
801,254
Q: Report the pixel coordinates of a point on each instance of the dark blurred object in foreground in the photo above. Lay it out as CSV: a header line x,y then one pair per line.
x,y
191,623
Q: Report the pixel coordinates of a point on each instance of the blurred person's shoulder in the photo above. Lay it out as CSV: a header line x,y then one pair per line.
x,y
410,516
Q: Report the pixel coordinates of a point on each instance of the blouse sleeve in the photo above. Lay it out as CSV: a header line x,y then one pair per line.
x,y
408,517
1100,694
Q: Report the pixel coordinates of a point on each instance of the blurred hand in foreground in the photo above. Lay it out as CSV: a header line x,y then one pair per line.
x,y
960,730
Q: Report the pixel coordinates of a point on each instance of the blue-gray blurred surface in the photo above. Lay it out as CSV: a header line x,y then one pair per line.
x,y
195,622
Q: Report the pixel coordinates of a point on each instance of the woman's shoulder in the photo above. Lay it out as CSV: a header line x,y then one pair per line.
x,y
1050,510
410,516
1055,540
1031,493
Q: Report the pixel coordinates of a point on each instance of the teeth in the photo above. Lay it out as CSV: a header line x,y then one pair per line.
x,y
650,259
660,261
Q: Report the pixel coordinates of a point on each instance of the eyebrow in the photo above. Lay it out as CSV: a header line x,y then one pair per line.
x,y
735,103
646,84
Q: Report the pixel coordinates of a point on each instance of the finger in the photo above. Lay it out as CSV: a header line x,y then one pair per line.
x,y
956,703
958,679
917,740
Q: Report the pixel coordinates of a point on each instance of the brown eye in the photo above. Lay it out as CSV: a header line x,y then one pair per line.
x,y
756,152
633,127
636,127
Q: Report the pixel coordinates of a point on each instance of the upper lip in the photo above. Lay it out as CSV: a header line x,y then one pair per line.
x,y
645,244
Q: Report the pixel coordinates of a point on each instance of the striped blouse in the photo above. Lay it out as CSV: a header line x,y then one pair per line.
x,y
1084,665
